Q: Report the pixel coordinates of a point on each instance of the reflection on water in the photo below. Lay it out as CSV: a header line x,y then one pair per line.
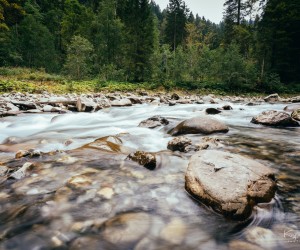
x,y
82,197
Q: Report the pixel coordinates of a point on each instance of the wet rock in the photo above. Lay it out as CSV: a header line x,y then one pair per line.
x,y
148,160
154,121
182,144
209,143
121,103
47,108
162,99
296,114
175,96
28,153
135,100
212,111
238,245
85,105
9,113
22,153
174,232
229,183
292,107
3,170
11,107
262,237
126,229
23,171
25,105
90,243
110,144
183,101
251,104
227,107
33,111
275,118
172,103
106,192
79,181
199,125
295,99
209,99
272,98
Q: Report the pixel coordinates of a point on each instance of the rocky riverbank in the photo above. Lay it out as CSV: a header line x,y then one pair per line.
x,y
16,103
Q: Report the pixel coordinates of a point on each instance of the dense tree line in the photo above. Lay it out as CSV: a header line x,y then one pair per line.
x,y
257,44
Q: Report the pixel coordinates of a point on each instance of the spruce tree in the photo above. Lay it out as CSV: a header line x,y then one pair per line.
x,y
175,32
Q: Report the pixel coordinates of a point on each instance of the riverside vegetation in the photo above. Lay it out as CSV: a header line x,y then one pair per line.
x,y
254,49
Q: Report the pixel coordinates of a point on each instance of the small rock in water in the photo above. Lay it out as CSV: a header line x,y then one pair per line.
x,y
148,160
212,111
182,144
154,121
31,153
174,232
79,181
243,245
296,114
227,107
262,237
3,170
22,153
23,171
275,118
126,229
106,192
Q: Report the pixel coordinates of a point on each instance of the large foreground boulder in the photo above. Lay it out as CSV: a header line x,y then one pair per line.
x,y
231,184
275,118
199,125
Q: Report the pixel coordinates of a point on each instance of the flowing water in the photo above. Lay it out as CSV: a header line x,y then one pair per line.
x,y
82,197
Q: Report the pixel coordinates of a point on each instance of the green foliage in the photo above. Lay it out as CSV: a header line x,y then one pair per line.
x,y
120,41
234,70
175,32
78,58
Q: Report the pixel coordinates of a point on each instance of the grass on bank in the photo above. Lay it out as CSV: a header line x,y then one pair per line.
x,y
37,81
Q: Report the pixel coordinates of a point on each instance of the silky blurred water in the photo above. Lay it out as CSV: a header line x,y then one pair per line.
x,y
41,210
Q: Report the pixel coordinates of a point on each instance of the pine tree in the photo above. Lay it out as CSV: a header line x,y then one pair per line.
x,y
177,14
279,39
138,20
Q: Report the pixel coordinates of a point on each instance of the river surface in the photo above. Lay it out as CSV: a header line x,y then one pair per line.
x,y
80,197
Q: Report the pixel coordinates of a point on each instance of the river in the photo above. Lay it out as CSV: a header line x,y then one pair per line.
x,y
80,197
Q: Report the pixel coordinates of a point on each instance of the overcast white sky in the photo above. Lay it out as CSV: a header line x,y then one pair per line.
x,y
210,9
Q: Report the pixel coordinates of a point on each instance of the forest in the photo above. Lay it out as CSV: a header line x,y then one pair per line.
x,y
255,48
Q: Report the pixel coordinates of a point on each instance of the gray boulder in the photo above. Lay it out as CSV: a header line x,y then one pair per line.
x,y
296,114
121,103
212,111
292,107
153,122
199,125
85,105
231,184
181,144
272,98
275,118
146,159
